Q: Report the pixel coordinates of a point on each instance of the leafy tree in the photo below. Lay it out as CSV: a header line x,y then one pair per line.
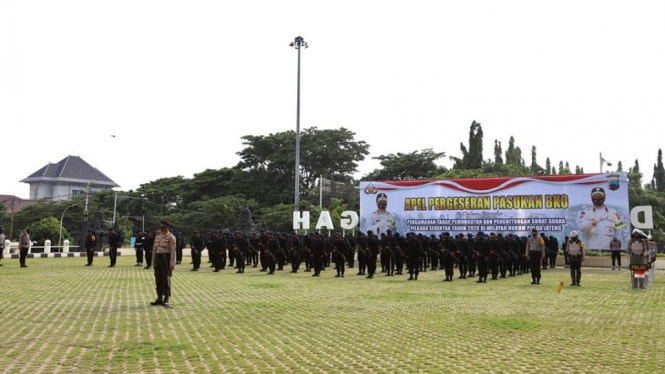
x,y
659,173
548,166
210,184
564,170
619,166
280,217
166,192
635,176
333,153
473,157
514,154
535,168
47,228
407,166
497,152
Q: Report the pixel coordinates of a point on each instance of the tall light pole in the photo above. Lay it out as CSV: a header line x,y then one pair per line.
x,y
298,44
61,218
117,197
603,161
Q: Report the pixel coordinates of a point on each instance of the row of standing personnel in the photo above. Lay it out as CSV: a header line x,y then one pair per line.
x,y
480,255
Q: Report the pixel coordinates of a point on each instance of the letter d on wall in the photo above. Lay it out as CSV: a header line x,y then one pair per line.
x,y
299,222
648,217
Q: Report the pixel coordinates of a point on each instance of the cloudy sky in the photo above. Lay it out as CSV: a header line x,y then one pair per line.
x,y
179,82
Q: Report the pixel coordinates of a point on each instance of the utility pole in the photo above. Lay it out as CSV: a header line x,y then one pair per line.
x,y
298,44
11,220
87,194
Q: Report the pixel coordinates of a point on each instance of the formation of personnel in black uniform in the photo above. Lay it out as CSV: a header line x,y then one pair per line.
x,y
483,256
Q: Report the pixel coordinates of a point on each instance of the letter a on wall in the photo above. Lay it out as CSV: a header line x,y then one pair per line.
x,y
325,222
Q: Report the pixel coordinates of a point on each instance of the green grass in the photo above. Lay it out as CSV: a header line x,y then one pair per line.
x,y
58,316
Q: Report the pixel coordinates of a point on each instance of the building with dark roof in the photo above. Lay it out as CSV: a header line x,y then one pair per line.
x,y
66,179
14,203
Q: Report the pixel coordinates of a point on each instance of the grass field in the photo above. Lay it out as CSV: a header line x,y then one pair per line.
x,y
58,316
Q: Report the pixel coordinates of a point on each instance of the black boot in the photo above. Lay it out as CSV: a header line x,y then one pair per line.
x,y
159,301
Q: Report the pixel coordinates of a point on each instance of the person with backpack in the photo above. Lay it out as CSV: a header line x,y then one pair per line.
x,y
637,252
575,249
90,243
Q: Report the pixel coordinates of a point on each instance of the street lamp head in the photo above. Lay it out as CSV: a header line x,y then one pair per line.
x,y
299,42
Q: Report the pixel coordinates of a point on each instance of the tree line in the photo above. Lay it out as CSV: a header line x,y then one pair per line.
x,y
263,182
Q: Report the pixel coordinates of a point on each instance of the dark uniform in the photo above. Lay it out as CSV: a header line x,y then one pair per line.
x,y
196,245
318,252
163,261
254,244
494,256
351,250
471,243
398,247
448,249
240,247
553,251
295,252
272,249
372,252
280,256
138,247
434,252
515,255
210,238
463,255
307,252
361,249
219,250
504,258
339,252
424,258
546,251
386,255
482,253
114,243
90,244
147,244
413,252
179,244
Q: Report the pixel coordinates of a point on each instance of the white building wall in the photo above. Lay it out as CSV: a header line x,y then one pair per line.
x,y
61,192
40,191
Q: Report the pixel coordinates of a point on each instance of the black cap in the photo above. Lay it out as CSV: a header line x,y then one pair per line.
x,y
165,222
381,196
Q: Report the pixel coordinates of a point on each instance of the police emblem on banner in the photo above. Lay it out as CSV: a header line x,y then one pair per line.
x,y
613,182
370,189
